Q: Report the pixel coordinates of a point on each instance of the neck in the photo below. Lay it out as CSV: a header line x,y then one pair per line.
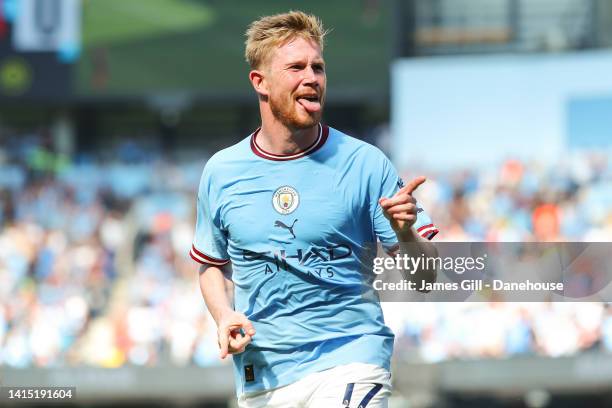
x,y
276,138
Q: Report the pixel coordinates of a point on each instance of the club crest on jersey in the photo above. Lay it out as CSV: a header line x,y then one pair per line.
x,y
285,200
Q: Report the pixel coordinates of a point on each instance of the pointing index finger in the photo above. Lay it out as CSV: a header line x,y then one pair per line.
x,y
413,185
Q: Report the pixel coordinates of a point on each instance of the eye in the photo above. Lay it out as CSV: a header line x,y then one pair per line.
x,y
318,68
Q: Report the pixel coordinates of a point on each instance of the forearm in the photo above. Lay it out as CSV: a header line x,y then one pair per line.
x,y
217,290
414,246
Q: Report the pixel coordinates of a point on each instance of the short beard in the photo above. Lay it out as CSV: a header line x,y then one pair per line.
x,y
289,118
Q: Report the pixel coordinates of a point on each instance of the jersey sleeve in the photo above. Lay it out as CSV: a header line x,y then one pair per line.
x,y
390,183
210,241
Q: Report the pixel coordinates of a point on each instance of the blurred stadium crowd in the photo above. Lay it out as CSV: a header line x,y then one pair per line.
x,y
94,264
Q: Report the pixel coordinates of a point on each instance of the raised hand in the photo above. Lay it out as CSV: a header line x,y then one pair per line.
x,y
401,209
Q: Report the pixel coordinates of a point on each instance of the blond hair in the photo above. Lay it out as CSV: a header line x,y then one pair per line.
x,y
269,32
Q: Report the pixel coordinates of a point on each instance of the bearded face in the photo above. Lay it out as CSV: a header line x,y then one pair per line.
x,y
297,84
292,112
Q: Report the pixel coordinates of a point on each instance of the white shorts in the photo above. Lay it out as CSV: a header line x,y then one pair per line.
x,y
351,385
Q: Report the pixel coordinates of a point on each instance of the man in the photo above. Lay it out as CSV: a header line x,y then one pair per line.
x,y
290,207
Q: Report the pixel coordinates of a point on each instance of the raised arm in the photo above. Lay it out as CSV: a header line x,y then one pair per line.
x,y
401,211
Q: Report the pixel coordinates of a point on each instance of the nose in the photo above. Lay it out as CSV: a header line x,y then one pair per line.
x,y
310,76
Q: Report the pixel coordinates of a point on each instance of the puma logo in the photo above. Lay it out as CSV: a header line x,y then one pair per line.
x,y
281,224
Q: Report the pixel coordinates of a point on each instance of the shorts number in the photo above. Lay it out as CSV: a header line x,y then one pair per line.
x,y
366,399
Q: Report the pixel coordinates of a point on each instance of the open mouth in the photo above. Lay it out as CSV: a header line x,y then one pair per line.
x,y
312,98
311,103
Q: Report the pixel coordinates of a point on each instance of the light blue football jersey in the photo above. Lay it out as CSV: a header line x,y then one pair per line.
x,y
293,228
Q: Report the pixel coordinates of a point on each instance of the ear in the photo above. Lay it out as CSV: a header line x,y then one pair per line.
x,y
258,80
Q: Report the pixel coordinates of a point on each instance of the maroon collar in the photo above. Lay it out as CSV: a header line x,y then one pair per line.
x,y
316,145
